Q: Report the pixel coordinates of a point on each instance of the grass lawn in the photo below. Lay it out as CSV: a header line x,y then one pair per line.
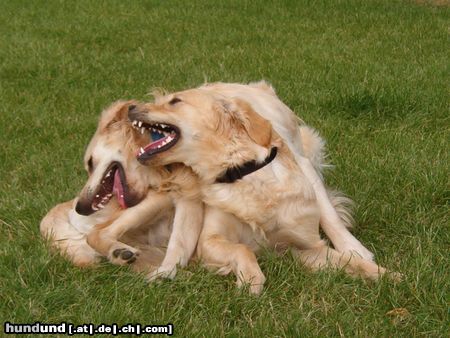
x,y
371,76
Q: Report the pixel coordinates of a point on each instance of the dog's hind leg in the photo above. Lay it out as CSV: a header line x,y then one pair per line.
x,y
104,238
331,223
219,248
325,257
151,241
56,227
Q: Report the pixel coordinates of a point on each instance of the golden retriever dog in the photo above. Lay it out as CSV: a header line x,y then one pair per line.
x,y
307,146
257,190
308,149
121,198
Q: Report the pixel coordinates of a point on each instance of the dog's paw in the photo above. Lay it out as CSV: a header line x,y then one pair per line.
x,y
252,277
395,276
167,272
123,255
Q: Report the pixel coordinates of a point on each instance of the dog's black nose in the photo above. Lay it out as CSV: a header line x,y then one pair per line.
x,y
84,209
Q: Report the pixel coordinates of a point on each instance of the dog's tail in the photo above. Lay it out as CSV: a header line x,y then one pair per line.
x,y
343,205
313,147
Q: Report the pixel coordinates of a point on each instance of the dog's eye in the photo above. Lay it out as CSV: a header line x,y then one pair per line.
x,y
90,165
174,101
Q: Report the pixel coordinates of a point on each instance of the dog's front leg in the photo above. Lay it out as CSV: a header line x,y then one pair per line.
x,y
183,240
104,237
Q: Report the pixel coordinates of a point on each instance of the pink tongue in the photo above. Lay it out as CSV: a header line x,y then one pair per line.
x,y
118,190
155,144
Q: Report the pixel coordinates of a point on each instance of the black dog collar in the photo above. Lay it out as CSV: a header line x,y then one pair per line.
x,y
236,173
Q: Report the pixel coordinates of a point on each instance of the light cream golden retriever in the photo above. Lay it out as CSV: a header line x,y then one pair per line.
x,y
257,187
308,148
125,211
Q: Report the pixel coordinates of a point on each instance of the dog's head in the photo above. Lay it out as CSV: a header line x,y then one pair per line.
x,y
115,176
201,129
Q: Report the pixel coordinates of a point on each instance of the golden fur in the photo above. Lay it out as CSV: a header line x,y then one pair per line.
x,y
67,233
308,149
280,205
116,233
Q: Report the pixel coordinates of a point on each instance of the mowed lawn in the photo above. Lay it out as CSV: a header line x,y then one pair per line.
x,y
371,76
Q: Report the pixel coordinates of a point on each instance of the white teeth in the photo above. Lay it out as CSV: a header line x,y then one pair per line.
x,y
140,124
103,181
109,195
134,122
101,206
163,125
97,195
141,151
94,208
121,196
108,174
142,130
169,139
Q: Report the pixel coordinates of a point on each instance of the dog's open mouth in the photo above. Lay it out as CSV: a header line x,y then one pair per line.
x,y
113,183
162,136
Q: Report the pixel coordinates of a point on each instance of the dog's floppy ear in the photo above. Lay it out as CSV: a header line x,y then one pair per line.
x,y
117,112
245,118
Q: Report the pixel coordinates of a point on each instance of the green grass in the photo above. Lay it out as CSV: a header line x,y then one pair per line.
x,y
372,76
